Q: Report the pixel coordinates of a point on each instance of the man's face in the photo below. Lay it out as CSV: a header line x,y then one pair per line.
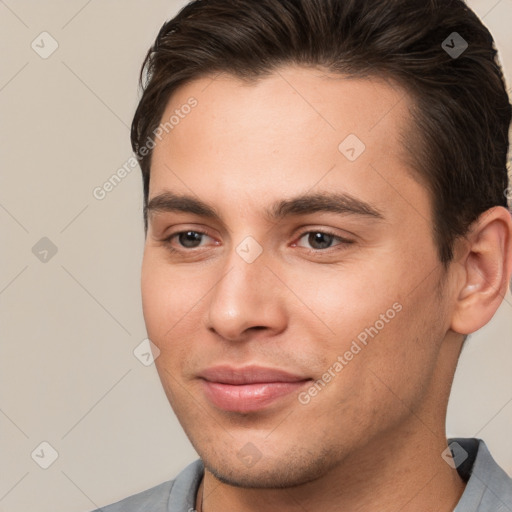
x,y
344,302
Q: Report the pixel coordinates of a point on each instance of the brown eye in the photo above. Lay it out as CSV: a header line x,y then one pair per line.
x,y
321,240
190,239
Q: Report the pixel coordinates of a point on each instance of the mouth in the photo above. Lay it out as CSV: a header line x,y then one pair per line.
x,y
250,388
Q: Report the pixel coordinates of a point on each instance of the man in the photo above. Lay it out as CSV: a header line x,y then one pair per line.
x,y
326,222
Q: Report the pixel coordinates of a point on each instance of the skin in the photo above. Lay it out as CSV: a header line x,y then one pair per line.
x,y
372,438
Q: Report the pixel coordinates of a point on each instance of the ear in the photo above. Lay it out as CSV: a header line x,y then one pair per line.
x,y
485,270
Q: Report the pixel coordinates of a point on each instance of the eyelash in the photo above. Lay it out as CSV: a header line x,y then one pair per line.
x,y
344,241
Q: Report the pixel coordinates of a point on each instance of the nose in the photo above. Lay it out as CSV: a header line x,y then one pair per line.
x,y
248,297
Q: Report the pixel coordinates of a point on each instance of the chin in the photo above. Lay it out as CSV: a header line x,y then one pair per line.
x,y
291,470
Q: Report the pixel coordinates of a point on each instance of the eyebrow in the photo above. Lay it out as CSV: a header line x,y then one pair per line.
x,y
329,202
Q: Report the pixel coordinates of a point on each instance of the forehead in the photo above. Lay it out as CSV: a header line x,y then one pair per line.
x,y
295,130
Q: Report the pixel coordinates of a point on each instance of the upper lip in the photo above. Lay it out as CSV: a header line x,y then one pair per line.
x,y
248,375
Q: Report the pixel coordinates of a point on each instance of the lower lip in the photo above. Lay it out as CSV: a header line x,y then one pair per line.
x,y
248,397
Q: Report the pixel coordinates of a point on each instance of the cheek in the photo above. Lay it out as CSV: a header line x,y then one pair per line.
x,y
167,295
369,393
405,350
384,327
155,297
347,300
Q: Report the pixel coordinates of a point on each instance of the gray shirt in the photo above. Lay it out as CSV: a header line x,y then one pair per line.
x,y
488,487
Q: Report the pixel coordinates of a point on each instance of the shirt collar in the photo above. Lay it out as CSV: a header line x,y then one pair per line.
x,y
489,488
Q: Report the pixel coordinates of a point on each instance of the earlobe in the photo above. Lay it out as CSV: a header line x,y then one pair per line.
x,y
486,270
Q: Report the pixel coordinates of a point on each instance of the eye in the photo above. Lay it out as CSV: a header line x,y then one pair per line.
x,y
321,240
191,239
187,239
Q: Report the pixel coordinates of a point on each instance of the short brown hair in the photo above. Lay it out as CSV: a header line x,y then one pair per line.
x,y
461,107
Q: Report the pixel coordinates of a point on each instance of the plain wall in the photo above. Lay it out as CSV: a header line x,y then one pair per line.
x,y
70,325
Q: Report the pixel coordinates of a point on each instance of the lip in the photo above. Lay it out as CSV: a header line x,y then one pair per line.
x,y
250,388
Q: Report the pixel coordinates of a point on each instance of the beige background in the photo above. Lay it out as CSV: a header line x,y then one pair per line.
x,y
70,325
